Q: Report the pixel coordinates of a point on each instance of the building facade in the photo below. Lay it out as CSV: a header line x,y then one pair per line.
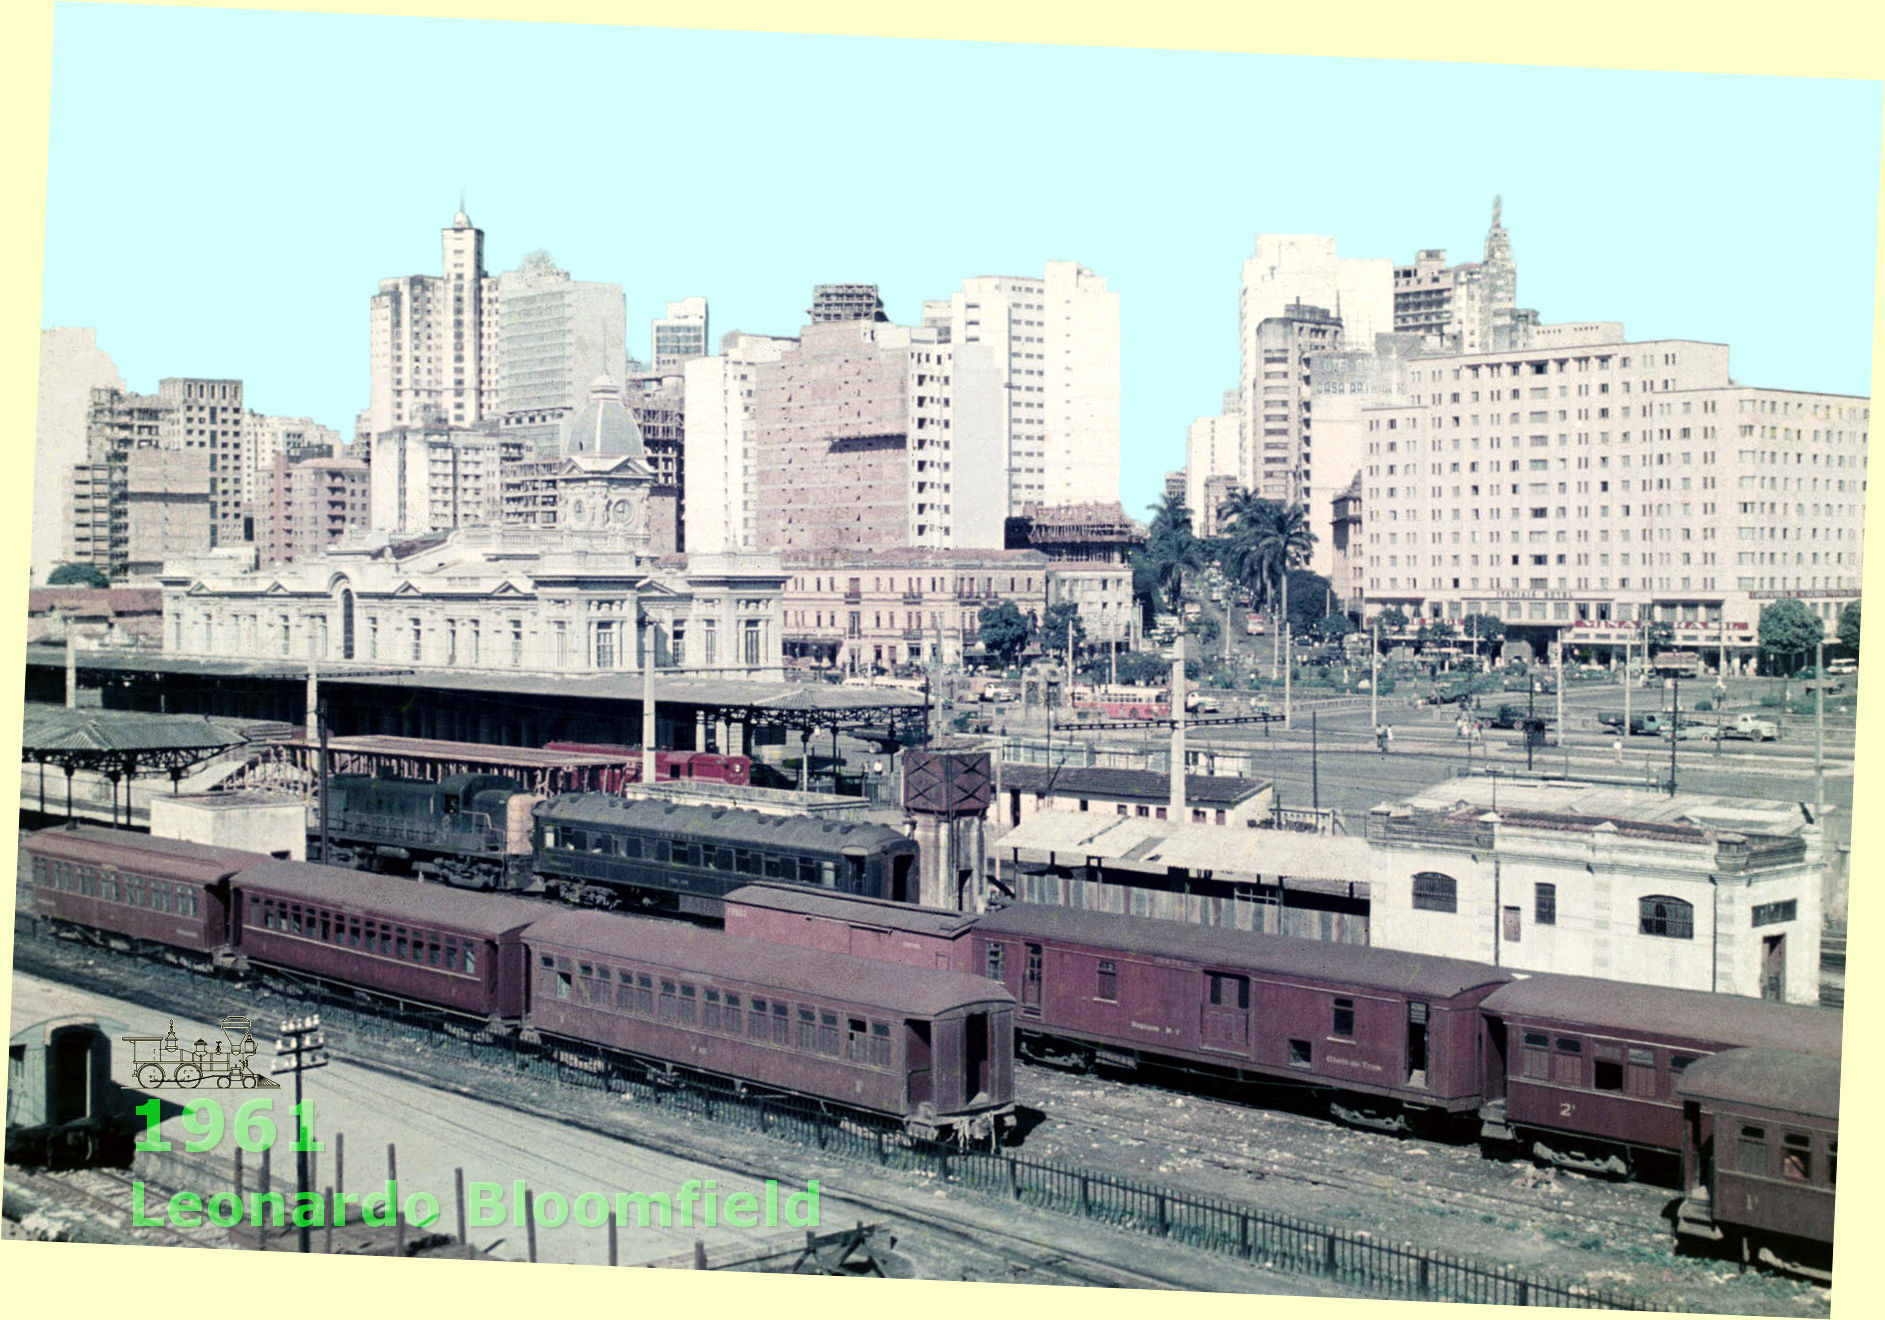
x,y
71,368
309,505
845,302
554,336
720,480
1099,532
1578,492
1280,451
434,478
1213,449
434,340
680,335
1466,308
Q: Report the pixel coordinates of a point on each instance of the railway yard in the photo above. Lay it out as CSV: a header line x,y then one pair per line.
x,y
502,1123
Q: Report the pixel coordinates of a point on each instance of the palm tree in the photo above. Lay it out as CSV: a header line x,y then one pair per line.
x,y
1172,550
1285,545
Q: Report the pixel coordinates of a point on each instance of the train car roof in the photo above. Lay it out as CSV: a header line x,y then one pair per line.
x,y
722,824
1590,1001
1804,1084
390,896
865,982
191,863
855,908
1283,955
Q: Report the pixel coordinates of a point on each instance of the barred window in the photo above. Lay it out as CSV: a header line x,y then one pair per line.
x,y
687,1003
781,1025
828,1034
644,994
732,1020
756,1021
995,955
808,1031
1772,914
1535,1062
1344,1024
1435,892
856,1039
670,1001
1107,981
880,1045
710,1010
625,992
1545,905
1669,918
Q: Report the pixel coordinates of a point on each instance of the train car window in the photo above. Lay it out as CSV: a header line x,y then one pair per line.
x,y
1753,1147
1226,991
399,942
670,1001
1642,1075
781,1024
808,1030
631,847
324,927
1106,981
1796,1156
1568,1063
1344,1024
644,994
1300,1055
756,1021
564,984
625,992
353,932
1677,1062
386,941
687,1004
856,1039
808,871
606,844
575,840
471,960
294,918
39,871
880,1044
451,955
828,874
828,1034
733,1014
710,1009
688,854
775,867
111,890
1607,1068
552,836
745,862
994,955
710,858
1535,1059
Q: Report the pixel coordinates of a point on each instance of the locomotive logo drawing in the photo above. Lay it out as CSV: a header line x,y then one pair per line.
x,y
166,1063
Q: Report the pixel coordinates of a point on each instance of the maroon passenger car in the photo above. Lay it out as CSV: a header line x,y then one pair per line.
x,y
933,1048
405,940
1585,1070
1760,1156
142,888
879,928
1393,1036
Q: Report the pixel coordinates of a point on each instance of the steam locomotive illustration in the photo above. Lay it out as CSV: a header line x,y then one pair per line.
x,y
163,1061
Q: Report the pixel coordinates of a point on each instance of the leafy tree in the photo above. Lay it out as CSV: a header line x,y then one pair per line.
x,y
1005,631
1205,628
1308,597
1849,627
1172,550
77,575
1788,631
1659,636
1061,619
1392,620
1483,627
1335,628
1436,632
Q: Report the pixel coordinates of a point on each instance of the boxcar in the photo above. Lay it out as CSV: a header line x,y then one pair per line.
x,y
144,890
410,942
932,1048
1585,1070
1760,1156
606,850
846,923
1393,1037
470,830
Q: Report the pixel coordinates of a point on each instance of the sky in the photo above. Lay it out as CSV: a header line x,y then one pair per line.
x,y
226,189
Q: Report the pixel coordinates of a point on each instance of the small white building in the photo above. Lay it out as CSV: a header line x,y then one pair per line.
x,y
253,822
1690,891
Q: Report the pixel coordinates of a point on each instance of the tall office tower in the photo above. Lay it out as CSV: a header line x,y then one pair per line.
x,y
308,504
681,334
720,475
554,336
845,302
207,415
1345,383
1280,436
71,366
1467,308
1056,345
871,435
433,338
1212,452
1287,270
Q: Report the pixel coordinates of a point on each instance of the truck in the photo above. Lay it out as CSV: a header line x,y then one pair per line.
x,y
1641,722
1751,727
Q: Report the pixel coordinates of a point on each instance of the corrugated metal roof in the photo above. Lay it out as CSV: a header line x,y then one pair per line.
x,y
1322,961
719,824
854,908
441,750
1804,1084
62,728
865,982
1139,785
1590,1001
390,896
1220,849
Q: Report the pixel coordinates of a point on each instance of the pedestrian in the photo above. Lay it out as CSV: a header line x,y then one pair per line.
x,y
1381,737
1388,743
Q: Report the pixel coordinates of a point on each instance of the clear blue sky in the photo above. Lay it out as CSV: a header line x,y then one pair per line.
x,y
226,189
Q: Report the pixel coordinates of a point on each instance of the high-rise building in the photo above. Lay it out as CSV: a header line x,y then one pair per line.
x,y
309,504
1213,449
1467,308
845,302
681,334
207,415
139,507
1056,345
1281,440
1580,491
433,340
71,367
554,336
720,477
435,478
657,400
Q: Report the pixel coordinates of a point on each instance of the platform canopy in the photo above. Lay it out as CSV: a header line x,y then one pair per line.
x,y
121,744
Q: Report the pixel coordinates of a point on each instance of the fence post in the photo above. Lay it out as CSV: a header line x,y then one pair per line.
x,y
1086,1204
1328,1256
1164,1227
1425,1289
1014,1178
1243,1235
883,1154
1524,1293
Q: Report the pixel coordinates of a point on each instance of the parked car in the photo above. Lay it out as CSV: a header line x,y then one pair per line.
x,y
1643,722
1751,727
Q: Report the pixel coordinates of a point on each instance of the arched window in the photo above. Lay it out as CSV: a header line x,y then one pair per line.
x,y
1434,892
1668,917
346,624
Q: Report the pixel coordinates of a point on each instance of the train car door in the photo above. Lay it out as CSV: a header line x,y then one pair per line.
x,y
1031,981
1774,967
900,879
916,1062
1226,1012
1416,1044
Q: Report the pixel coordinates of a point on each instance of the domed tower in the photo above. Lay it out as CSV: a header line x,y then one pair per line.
x,y
604,481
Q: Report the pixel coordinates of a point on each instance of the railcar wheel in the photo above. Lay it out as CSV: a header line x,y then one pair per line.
x,y
222,1082
150,1076
188,1074
248,1081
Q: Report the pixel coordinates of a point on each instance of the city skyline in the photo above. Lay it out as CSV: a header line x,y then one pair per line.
x,y
740,224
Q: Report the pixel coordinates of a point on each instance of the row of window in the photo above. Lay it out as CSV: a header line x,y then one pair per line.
x,y
1796,1155
712,857
1657,914
388,939
864,1041
1625,1070
132,890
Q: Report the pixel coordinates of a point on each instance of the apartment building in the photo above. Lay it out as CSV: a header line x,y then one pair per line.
x,y
434,339
681,334
720,480
310,504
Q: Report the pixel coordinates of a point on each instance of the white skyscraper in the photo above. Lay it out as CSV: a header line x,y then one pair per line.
x,y
721,468
71,366
554,336
1056,342
431,337
681,334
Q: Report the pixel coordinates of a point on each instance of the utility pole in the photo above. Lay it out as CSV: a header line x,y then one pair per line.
x,y
1564,746
1288,664
1531,718
322,716
1628,637
1675,710
1374,678
648,728
1177,803
1819,732
1315,781
302,1047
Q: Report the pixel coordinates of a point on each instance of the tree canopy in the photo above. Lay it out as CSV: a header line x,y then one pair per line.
x,y
77,575
1171,551
1062,618
1788,630
1485,627
1005,631
1849,627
